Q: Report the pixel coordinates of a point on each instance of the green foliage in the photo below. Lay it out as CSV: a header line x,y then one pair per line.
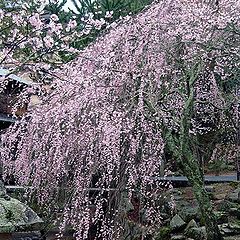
x,y
9,4
57,8
83,6
225,205
99,7
218,166
163,234
235,184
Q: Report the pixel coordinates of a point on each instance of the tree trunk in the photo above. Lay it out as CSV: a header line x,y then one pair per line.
x,y
193,173
210,221
191,169
183,146
188,159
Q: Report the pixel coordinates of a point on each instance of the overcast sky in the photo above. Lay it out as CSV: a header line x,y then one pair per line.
x,y
69,4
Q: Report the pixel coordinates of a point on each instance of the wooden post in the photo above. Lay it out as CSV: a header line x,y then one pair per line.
x,y
238,175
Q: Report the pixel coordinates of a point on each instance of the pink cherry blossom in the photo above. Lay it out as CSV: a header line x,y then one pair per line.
x,y
18,19
108,14
71,25
35,21
49,41
1,14
54,17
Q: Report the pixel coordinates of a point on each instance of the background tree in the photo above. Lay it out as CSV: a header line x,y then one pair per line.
x,y
38,37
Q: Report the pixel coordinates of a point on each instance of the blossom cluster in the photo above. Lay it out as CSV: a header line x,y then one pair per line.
x,y
34,41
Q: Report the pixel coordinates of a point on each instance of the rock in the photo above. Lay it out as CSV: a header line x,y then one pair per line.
x,y
166,222
16,216
197,233
36,235
232,238
127,205
219,196
229,229
175,191
188,213
210,189
191,224
225,205
177,197
177,223
3,191
234,196
234,212
180,204
235,227
178,237
165,216
226,231
222,217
